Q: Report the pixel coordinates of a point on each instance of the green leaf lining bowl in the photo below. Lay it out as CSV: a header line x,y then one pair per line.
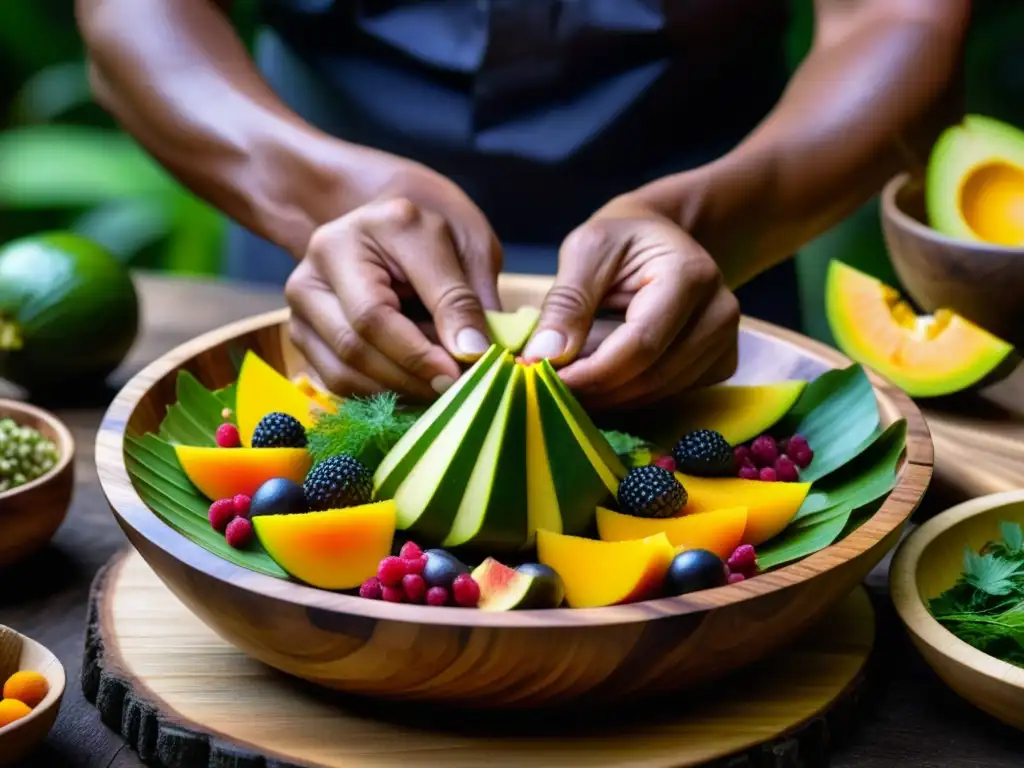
x,y
516,658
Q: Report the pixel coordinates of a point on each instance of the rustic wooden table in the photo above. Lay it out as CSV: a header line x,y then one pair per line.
x,y
918,722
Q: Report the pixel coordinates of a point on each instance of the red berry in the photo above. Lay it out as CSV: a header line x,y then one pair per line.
x,y
764,451
222,512
227,436
749,473
241,503
415,564
665,462
392,594
410,551
735,578
371,589
390,571
767,475
743,560
415,587
741,456
795,443
786,470
466,591
238,533
802,457
437,596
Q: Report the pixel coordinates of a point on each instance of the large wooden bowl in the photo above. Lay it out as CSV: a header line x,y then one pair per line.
x,y
30,514
928,563
518,658
984,283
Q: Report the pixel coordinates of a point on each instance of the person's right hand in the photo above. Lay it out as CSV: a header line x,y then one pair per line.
x,y
420,236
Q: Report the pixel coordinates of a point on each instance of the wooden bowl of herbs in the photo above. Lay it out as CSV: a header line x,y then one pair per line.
x,y
37,477
958,585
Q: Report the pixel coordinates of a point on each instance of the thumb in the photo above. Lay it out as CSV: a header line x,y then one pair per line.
x,y
587,265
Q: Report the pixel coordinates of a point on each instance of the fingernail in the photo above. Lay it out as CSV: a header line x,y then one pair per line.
x,y
441,383
545,345
471,342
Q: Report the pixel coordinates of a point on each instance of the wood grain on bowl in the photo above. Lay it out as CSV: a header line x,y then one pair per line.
x,y
517,658
18,653
984,283
30,514
928,563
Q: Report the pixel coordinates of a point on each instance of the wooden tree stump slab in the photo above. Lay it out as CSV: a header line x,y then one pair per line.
x,y
184,698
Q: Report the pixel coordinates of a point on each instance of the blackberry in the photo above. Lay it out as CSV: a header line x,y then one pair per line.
x,y
704,453
279,430
651,491
340,481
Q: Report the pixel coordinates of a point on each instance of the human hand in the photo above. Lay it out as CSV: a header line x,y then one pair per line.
x,y
421,237
681,322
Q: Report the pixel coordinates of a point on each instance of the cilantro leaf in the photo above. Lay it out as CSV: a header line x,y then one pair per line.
x,y
989,573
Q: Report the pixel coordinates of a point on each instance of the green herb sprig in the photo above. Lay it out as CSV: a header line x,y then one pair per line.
x,y
365,428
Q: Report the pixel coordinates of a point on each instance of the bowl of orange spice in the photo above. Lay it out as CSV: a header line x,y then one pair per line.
x,y
33,686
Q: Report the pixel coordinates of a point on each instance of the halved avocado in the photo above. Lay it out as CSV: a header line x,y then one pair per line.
x,y
974,188
512,329
926,356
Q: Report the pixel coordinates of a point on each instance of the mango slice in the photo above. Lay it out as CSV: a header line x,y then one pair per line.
x,y
220,473
720,531
262,390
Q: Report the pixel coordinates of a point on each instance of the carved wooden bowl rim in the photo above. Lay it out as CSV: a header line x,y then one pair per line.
x,y
913,478
900,219
60,435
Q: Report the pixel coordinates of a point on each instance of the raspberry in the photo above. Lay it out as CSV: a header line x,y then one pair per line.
x,y
795,443
749,473
410,551
437,596
238,533
466,591
741,455
392,594
786,470
736,578
390,571
371,589
415,564
227,436
415,587
767,475
241,503
764,451
783,445
665,462
743,560
222,512
802,457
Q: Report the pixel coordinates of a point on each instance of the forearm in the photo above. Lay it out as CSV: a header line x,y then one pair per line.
x,y
868,100
176,76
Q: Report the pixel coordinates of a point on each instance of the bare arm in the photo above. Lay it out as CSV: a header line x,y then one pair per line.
x,y
868,100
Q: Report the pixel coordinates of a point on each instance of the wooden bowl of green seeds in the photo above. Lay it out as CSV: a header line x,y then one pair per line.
x,y
37,477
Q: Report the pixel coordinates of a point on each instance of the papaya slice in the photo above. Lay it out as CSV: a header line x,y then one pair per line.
x,y
333,549
220,473
599,573
720,531
262,390
770,506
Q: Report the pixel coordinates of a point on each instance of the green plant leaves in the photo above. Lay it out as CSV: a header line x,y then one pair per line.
x,y
194,417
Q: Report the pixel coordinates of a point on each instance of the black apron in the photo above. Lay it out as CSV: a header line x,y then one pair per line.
x,y
541,110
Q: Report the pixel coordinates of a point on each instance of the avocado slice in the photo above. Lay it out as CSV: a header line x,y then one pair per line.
x,y
974,185
512,329
506,589
429,495
400,460
492,509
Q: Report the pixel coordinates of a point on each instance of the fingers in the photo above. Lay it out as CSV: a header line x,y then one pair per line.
x,y
336,376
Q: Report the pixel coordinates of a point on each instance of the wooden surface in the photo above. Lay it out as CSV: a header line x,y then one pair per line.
x,y
498,659
19,653
918,721
186,698
30,514
984,283
929,563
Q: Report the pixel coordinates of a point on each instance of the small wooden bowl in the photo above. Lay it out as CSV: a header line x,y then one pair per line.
x,y
516,658
19,653
30,514
984,283
927,563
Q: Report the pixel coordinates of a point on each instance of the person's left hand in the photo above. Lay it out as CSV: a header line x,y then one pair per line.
x,y
681,321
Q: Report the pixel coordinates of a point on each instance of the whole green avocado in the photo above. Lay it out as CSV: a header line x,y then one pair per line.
x,y
69,312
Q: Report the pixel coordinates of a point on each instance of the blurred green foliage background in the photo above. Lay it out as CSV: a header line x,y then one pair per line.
x,y
63,163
